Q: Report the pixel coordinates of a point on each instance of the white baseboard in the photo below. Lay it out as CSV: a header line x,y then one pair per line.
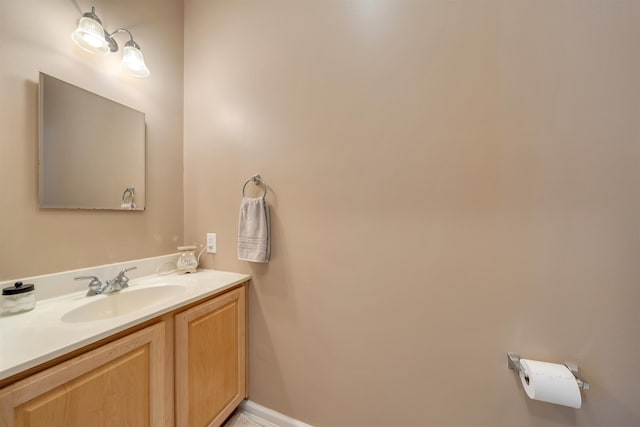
x,y
268,417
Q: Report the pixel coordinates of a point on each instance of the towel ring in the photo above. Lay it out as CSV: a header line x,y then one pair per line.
x,y
132,194
257,180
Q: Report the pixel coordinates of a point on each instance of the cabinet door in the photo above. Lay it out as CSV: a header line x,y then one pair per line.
x,y
118,384
210,360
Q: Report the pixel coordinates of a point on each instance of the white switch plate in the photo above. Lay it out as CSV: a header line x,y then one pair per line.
x,y
211,243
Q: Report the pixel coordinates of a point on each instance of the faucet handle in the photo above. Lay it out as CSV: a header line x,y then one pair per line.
x,y
95,286
124,280
128,269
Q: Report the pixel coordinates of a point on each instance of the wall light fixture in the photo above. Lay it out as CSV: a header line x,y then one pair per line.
x,y
92,37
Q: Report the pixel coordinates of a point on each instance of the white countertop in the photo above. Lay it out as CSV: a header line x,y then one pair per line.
x,y
37,336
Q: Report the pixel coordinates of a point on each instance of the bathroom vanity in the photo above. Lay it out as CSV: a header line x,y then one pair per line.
x,y
168,350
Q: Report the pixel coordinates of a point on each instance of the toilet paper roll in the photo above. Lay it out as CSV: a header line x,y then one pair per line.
x,y
550,382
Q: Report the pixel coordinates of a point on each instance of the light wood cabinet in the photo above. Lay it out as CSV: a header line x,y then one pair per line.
x,y
211,360
189,368
122,383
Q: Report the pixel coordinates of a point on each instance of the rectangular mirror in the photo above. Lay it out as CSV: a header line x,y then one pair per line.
x,y
92,150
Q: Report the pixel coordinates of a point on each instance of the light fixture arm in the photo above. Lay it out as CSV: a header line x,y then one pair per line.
x,y
113,45
92,15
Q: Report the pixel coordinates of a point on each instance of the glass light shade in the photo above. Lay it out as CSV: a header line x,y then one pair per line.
x,y
133,62
90,36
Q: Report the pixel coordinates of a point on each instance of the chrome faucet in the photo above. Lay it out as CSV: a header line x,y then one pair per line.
x,y
95,285
116,284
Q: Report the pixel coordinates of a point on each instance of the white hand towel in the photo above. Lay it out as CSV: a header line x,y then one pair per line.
x,y
254,230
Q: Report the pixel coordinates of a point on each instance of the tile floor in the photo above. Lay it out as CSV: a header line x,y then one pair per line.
x,y
238,419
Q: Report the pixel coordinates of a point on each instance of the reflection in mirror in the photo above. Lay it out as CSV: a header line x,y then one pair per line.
x,y
92,150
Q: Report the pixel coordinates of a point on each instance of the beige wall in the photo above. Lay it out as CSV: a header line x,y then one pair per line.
x,y
450,180
35,36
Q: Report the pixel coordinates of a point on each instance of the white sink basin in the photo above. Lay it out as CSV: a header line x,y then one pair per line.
x,y
121,303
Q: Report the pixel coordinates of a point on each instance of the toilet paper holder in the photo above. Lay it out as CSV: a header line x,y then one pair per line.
x,y
513,361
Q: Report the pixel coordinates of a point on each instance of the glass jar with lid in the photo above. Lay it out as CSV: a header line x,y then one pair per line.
x,y
17,298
